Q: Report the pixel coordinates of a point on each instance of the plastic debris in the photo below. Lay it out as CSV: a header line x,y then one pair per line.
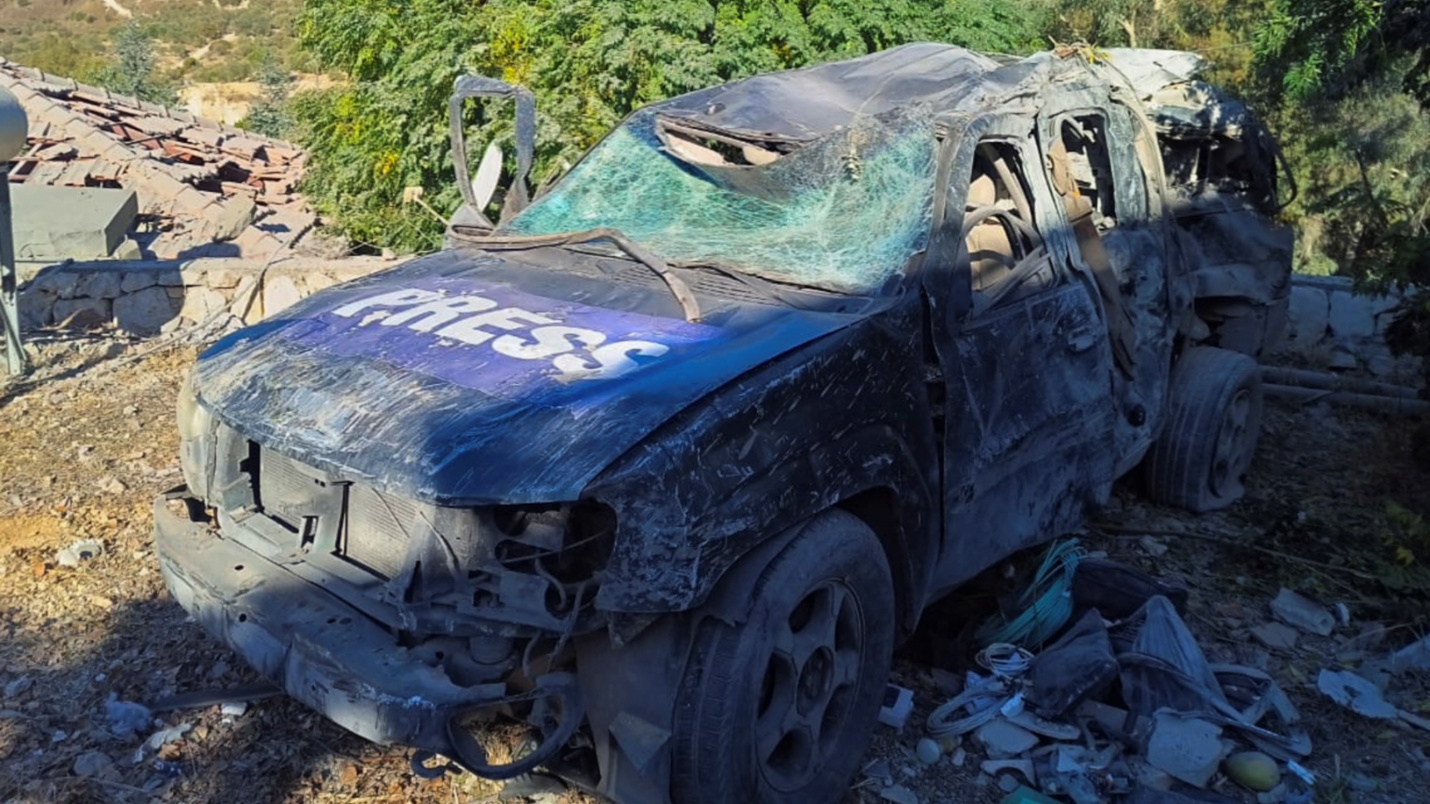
x,y
1355,693
1164,668
898,704
1415,656
163,737
79,552
1293,609
234,708
1189,750
1080,664
1118,591
1001,739
1027,795
127,718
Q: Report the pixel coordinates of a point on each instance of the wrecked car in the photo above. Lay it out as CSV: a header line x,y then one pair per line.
x,y
665,463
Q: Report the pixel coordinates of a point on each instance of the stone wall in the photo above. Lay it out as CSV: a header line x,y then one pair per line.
x,y
1329,326
146,298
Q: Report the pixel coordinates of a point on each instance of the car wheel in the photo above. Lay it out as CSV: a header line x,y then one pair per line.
x,y
1213,421
781,707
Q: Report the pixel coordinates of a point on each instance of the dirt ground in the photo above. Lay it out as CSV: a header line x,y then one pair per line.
x,y
88,442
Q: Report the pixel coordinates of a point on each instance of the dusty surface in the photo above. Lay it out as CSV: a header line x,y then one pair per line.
x,y
87,444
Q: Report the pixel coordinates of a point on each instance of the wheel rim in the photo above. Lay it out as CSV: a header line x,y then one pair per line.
x,y
809,685
1233,451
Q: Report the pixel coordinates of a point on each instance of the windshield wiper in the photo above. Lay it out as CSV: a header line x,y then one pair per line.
x,y
482,238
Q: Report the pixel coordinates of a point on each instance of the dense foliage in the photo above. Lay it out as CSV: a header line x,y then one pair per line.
x,y
589,62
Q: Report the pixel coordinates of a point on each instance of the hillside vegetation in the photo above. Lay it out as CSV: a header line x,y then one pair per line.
x,y
196,40
1342,82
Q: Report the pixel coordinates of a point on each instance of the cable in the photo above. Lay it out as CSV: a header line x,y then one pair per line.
x,y
1046,605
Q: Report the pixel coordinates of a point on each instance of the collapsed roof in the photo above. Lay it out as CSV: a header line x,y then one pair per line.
x,y
204,189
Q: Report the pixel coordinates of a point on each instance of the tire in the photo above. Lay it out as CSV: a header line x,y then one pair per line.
x,y
1200,460
763,715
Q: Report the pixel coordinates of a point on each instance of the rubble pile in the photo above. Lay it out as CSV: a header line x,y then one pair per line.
x,y
205,189
1102,695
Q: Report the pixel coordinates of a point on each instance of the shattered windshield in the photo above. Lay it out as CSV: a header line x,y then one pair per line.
x,y
843,213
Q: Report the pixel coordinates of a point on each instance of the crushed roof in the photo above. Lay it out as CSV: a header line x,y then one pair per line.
x,y
204,189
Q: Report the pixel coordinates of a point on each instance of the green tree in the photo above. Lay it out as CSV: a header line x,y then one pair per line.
x,y
590,62
132,72
269,114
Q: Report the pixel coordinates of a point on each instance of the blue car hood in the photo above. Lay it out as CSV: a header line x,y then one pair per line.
x,y
464,379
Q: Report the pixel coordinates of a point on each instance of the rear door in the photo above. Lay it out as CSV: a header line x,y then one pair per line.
x,y
1025,358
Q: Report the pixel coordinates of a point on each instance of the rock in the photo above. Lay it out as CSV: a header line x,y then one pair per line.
x,y
137,280
111,485
1352,315
1309,315
928,751
1149,777
899,795
234,216
18,687
1001,739
1275,795
144,312
280,294
36,308
1008,783
202,304
98,284
1275,636
1361,783
1154,547
959,756
82,313
92,763
1189,750
1253,770
946,682
1293,609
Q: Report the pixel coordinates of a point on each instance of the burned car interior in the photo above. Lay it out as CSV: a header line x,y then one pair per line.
x,y
664,462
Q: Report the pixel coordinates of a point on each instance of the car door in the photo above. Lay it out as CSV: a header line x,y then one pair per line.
x,y
1095,159
1025,360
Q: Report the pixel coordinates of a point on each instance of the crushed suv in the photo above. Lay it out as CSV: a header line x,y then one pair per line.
x,y
664,464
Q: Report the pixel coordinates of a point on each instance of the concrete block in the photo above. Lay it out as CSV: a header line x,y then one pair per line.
x,y
82,313
79,223
145,311
97,284
1308,315
279,294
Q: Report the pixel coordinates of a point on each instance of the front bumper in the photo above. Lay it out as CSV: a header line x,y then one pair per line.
x,y
328,654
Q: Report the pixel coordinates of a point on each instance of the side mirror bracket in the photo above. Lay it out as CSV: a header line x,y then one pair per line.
x,y
518,197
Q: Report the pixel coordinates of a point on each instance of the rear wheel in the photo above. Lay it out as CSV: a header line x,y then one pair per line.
x,y
781,707
1214,418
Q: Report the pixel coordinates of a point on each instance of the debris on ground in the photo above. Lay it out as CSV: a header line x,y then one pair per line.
x,y
79,552
1090,709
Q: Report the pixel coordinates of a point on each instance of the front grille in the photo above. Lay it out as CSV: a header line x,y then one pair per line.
x,y
286,491
354,522
377,525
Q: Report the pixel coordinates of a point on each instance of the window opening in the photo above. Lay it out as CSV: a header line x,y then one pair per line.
x,y
1005,250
